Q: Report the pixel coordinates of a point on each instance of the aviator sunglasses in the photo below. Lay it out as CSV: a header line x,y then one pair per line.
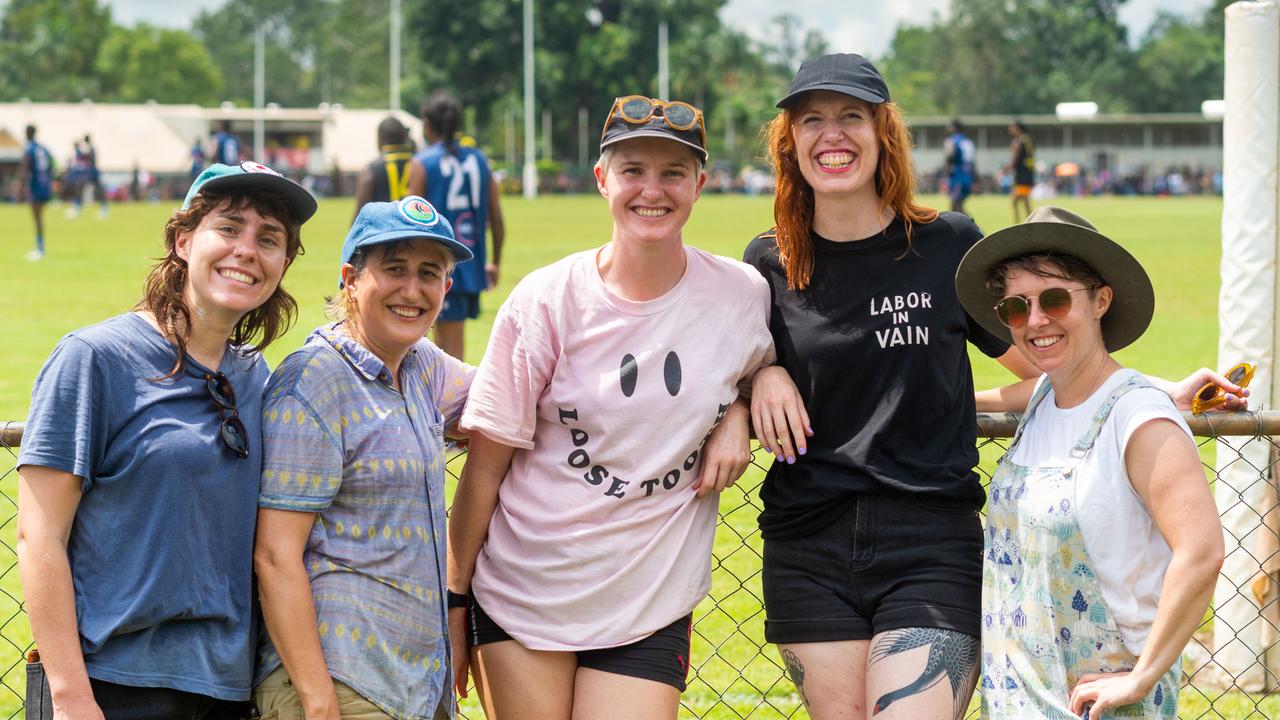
x,y
638,110
1211,396
233,432
1014,310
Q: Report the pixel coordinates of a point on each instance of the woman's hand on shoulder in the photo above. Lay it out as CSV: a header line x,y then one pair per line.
x,y
778,414
727,452
1102,692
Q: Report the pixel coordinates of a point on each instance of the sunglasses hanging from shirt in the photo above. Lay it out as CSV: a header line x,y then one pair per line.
x,y
234,435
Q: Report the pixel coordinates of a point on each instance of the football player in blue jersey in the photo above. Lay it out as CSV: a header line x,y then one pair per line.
x,y
197,159
37,174
456,180
959,152
88,176
226,147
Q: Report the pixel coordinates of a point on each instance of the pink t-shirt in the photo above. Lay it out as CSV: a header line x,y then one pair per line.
x,y
598,539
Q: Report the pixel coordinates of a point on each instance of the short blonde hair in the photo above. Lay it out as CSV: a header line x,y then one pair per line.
x,y
606,156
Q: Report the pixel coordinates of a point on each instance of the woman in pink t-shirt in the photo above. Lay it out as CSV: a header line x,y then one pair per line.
x,y
604,420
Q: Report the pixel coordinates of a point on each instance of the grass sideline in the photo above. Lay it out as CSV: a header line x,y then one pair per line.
x,y
95,270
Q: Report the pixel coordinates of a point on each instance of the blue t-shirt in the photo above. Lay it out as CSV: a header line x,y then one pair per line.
x,y
161,550
91,163
458,186
226,149
340,441
197,159
960,160
40,167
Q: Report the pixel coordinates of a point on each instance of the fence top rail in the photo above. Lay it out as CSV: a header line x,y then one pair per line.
x,y
11,433
990,425
1218,424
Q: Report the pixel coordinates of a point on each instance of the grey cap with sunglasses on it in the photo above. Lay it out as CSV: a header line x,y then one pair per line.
x,y
617,128
846,73
1052,230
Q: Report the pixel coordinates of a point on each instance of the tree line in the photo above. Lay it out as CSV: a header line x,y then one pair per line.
x,y
984,56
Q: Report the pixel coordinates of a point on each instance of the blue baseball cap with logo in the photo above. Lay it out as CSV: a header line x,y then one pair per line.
x,y
254,176
412,217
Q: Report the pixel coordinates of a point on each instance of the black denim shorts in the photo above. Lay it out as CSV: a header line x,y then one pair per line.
x,y
888,562
662,657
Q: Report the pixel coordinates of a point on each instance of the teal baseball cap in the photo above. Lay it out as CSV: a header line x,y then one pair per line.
x,y
412,217
250,175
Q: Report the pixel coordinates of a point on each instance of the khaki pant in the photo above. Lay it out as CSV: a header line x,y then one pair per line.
x,y
277,700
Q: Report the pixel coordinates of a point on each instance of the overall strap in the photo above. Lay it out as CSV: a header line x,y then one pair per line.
x,y
1042,389
1085,443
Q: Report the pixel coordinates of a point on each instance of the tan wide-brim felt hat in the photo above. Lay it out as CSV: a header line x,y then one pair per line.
x,y
1052,230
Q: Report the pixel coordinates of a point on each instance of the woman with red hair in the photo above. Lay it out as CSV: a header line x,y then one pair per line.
x,y
872,542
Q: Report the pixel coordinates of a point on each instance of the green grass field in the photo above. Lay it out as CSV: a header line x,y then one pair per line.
x,y
95,270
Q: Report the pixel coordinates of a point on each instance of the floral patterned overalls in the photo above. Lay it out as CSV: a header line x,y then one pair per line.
x,y
1044,621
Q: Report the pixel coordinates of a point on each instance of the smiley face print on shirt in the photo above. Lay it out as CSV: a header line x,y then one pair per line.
x,y
635,384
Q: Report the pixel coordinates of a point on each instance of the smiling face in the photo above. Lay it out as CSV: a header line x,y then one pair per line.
x,y
397,295
651,185
1058,346
235,258
836,144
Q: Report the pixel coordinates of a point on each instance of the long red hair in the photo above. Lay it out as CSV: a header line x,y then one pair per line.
x,y
793,200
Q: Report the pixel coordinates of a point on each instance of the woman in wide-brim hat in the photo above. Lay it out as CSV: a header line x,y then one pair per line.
x,y
581,534
1102,543
872,543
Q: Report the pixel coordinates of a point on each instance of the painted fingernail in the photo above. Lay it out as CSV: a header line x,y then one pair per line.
x,y
804,450
791,460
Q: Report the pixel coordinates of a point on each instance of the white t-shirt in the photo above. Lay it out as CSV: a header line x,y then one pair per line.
x,y
1126,549
598,539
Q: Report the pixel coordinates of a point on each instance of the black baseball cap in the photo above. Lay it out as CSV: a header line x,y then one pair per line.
x,y
846,73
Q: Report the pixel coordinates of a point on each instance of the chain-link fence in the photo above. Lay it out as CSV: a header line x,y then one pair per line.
x,y
1229,667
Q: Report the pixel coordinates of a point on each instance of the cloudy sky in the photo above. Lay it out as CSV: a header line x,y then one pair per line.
x,y
860,26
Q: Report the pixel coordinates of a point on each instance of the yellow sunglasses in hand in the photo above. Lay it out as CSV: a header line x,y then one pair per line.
x,y
1211,396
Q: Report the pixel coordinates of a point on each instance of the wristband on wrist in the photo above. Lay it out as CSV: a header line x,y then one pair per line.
x,y
456,600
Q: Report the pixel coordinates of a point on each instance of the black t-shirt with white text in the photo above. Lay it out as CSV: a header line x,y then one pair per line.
x,y
876,346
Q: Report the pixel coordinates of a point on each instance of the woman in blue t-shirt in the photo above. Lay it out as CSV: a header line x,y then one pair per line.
x,y
138,473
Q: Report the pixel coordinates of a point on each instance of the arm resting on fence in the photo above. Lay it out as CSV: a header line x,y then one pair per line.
x,y
47,502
